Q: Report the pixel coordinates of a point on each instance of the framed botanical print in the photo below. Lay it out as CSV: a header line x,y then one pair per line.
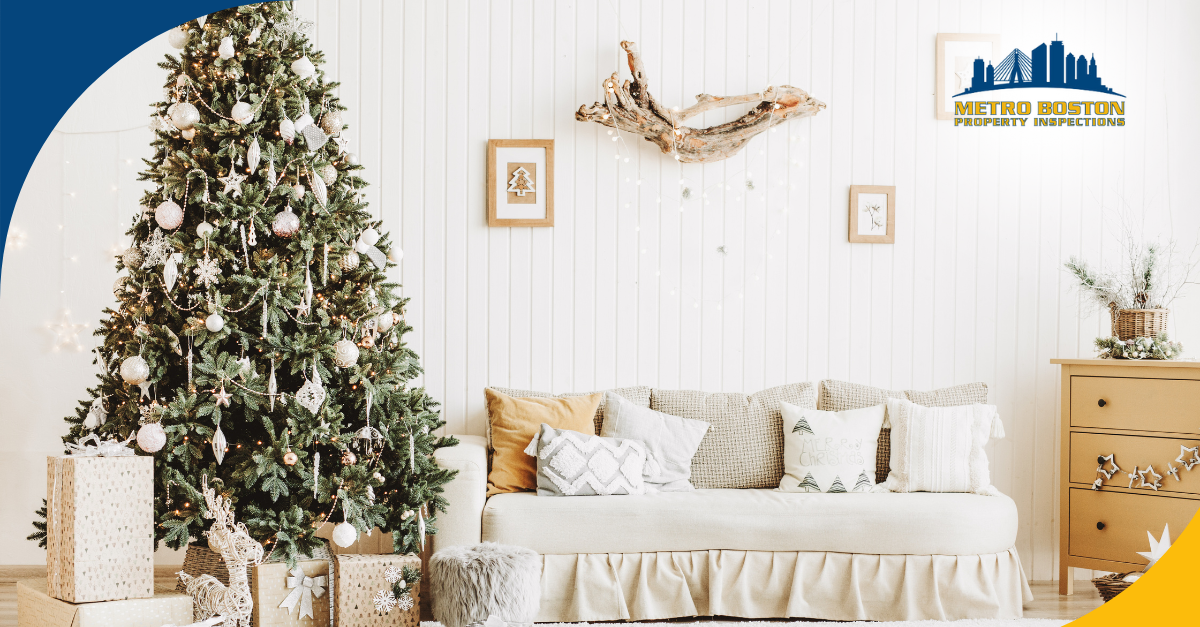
x,y
520,182
872,214
956,54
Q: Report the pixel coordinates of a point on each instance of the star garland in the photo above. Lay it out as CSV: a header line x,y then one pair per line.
x,y
1188,457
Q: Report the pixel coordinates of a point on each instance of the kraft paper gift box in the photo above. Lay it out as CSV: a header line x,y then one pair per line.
x,y
35,608
358,579
100,527
307,594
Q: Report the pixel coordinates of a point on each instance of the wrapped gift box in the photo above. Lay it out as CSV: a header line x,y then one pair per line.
x,y
100,528
36,608
358,579
269,585
375,543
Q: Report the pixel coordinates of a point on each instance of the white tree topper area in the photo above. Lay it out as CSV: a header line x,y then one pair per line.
x,y
520,183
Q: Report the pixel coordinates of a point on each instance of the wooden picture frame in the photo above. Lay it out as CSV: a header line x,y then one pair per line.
x,y
526,197
862,198
946,74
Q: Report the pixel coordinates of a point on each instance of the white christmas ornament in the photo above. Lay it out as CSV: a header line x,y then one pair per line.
x,y
135,370
171,270
370,236
286,223
1157,547
319,190
351,158
226,48
302,122
204,229
303,67
255,34
345,353
312,393
184,115
298,191
218,445
253,156
349,261
201,20
155,250
151,437
314,137
329,173
169,215
395,254
287,130
188,133
242,112
207,271
233,182
271,175
177,37
96,414
214,323
344,535
385,321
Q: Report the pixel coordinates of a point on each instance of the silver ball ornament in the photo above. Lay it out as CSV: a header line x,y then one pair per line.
x,y
329,174
349,261
132,258
135,370
214,323
286,223
151,437
345,353
184,115
331,123
177,37
204,229
169,215
345,534
242,113
351,158
303,67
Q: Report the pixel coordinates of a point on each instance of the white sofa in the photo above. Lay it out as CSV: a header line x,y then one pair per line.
x,y
751,553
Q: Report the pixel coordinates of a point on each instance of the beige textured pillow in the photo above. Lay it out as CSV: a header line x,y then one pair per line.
x,y
843,395
744,444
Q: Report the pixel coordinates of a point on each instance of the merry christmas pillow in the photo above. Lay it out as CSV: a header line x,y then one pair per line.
x,y
826,451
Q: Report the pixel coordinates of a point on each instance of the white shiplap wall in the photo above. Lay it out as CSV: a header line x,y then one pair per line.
x,y
629,287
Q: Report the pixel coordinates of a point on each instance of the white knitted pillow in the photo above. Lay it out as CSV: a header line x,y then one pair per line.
x,y
940,449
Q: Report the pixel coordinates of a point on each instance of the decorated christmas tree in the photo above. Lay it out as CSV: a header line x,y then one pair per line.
x,y
257,340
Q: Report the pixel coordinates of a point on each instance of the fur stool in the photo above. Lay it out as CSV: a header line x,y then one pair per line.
x,y
471,583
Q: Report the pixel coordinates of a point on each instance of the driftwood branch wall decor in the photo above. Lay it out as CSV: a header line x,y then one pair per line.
x,y
630,107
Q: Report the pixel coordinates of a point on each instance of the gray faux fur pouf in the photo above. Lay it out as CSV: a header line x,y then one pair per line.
x,y
471,583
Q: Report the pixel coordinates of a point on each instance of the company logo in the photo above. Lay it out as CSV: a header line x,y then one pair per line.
x,y
1044,72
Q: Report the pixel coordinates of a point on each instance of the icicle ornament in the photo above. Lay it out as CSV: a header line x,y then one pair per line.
x,y
253,156
316,472
272,387
218,445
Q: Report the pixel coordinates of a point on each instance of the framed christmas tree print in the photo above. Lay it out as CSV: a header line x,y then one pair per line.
x,y
520,182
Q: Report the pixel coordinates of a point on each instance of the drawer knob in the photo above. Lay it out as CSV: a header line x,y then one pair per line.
x,y
1100,526
1102,402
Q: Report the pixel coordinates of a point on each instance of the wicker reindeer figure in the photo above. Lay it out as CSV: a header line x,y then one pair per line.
x,y
239,550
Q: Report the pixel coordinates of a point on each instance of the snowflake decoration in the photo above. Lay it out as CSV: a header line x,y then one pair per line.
x,y
392,574
156,250
207,271
385,601
291,26
405,603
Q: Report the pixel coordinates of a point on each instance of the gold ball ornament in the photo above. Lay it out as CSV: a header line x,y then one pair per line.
x,y
329,174
151,437
286,223
345,353
331,123
135,370
184,115
290,458
169,215
132,257
349,261
349,459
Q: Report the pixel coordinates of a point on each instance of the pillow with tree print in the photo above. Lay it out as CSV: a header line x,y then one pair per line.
x,y
826,451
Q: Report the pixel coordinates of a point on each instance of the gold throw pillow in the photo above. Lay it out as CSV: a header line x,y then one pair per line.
x,y
514,423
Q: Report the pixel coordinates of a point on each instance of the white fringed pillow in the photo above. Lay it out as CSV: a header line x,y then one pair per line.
x,y
940,449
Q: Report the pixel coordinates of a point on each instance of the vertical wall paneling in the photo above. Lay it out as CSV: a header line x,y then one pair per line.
x,y
631,285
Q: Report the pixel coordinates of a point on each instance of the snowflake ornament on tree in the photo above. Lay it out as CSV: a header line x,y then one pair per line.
x,y
207,271
156,250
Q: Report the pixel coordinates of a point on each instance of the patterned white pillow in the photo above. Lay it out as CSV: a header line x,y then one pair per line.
x,y
826,451
570,463
940,449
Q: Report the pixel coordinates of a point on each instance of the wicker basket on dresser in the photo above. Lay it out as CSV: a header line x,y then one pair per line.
x,y
1141,412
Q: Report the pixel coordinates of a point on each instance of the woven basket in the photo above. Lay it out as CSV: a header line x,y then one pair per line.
x,y
200,560
1128,324
1110,586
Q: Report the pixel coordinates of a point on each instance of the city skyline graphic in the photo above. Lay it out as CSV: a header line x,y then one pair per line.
x,y
1047,67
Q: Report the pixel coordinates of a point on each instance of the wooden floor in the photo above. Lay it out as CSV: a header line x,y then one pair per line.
x,y
1047,603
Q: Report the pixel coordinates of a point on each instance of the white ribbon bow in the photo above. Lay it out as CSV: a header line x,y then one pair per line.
x,y
304,588
108,448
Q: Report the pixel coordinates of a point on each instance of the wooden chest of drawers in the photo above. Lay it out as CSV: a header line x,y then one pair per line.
x,y
1142,413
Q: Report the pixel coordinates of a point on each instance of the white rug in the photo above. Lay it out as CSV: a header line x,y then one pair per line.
x,y
970,622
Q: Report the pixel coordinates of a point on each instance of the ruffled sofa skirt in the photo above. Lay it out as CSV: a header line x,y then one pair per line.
x,y
761,584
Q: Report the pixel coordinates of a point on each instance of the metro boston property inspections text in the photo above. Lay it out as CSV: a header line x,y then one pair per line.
x,y
1058,113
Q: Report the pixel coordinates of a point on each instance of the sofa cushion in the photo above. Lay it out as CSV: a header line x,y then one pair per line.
x,y
638,395
570,463
842,395
514,423
755,520
744,444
